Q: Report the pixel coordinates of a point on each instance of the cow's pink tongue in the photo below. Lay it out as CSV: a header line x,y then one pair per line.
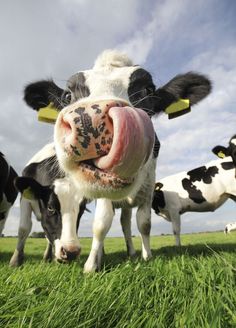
x,y
133,141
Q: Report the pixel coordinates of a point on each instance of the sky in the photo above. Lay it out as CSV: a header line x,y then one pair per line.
x,y
54,39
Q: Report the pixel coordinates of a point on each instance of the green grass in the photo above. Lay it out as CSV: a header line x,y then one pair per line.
x,y
194,286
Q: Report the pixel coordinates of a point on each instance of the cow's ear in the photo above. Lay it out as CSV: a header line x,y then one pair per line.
x,y
220,151
30,188
179,94
40,94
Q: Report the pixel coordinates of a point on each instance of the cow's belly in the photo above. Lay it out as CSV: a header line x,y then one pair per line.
x,y
209,205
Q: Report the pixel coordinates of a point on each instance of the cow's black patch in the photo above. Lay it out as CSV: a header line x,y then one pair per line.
x,y
156,147
158,201
228,165
203,173
7,176
194,193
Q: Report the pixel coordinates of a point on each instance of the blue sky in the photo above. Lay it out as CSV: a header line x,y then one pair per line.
x,y
55,39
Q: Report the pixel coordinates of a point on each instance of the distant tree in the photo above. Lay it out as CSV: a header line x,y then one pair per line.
x,y
37,234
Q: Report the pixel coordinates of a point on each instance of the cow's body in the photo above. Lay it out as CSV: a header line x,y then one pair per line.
x,y
105,140
38,184
202,189
8,192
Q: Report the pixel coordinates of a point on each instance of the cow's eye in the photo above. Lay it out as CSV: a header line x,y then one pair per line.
x,y
67,97
51,210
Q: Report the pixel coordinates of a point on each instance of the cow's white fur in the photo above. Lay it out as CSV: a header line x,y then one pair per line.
x,y
230,227
177,200
113,58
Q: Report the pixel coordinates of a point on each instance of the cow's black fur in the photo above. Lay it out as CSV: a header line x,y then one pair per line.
x,y
8,192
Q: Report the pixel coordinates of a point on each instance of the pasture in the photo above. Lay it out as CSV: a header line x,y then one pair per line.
x,y
193,286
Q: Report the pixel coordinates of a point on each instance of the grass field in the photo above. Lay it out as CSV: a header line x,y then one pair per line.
x,y
194,286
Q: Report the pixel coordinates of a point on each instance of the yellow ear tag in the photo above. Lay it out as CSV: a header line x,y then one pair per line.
x,y
221,154
180,107
48,114
28,194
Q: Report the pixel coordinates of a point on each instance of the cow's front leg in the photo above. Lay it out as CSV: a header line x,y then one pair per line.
x,y
104,214
3,218
175,219
143,217
23,232
125,221
48,254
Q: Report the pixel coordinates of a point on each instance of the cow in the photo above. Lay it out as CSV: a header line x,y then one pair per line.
x,y
38,185
105,140
8,192
203,189
230,227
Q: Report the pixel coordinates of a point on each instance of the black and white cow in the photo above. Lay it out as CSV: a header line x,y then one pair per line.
x,y
8,192
38,185
230,227
105,140
202,189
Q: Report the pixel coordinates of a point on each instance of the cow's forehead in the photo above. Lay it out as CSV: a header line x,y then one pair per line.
x,y
108,81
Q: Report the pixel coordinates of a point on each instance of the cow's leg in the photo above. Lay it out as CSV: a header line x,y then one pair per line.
x,y
175,219
125,220
143,217
48,254
2,222
23,232
104,214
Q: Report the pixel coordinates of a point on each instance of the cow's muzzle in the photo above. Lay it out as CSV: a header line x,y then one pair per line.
x,y
108,137
69,254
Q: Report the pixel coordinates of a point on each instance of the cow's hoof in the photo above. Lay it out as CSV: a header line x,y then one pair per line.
x,y
132,255
48,259
16,260
147,257
90,267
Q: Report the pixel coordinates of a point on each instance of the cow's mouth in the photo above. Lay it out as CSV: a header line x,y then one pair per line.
x,y
103,177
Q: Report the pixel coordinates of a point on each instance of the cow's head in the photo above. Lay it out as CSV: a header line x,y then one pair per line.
x,y
222,151
60,207
103,134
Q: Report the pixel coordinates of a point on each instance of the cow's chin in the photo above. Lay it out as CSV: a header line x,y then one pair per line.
x,y
96,183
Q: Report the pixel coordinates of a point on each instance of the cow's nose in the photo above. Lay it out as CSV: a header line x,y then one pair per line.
x,y
69,254
86,131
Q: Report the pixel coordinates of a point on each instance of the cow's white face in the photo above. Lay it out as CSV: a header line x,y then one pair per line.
x,y
102,139
68,246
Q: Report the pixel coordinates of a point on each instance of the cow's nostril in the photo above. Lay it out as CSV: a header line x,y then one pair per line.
x,y
67,255
72,255
65,125
63,253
